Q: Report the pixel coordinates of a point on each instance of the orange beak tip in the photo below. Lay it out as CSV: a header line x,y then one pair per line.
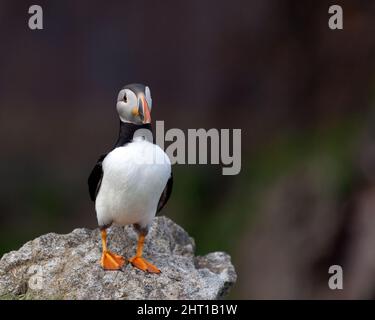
x,y
146,111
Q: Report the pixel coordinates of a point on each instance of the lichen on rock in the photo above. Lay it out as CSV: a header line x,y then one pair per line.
x,y
55,266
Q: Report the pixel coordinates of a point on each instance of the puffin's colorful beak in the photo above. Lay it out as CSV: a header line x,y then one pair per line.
x,y
144,110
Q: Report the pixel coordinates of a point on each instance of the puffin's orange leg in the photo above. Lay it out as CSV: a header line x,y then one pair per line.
x,y
138,262
110,260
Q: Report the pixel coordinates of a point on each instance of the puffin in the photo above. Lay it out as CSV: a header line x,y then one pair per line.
x,y
133,182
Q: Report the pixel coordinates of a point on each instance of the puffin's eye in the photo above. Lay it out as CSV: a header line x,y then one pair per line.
x,y
125,98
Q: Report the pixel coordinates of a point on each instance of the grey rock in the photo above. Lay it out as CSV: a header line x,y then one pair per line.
x,y
55,266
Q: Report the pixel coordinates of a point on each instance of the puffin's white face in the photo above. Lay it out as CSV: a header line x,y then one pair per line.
x,y
134,104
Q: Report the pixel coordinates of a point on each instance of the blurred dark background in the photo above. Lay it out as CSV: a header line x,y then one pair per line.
x,y
302,94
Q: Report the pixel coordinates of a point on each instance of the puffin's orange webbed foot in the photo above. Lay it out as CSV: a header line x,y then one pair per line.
x,y
111,261
143,264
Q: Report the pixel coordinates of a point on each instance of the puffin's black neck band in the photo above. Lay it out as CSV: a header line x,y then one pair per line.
x,y
127,131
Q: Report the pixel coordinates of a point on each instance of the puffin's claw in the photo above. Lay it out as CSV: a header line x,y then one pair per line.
x,y
143,264
111,261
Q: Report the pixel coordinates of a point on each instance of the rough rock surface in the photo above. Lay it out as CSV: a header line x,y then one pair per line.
x,y
67,266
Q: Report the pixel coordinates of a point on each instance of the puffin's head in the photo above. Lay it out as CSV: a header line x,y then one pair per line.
x,y
134,104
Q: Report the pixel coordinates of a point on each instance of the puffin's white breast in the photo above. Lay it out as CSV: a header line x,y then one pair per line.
x,y
134,176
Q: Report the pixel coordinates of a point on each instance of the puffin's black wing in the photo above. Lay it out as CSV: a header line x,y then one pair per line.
x,y
95,178
166,194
